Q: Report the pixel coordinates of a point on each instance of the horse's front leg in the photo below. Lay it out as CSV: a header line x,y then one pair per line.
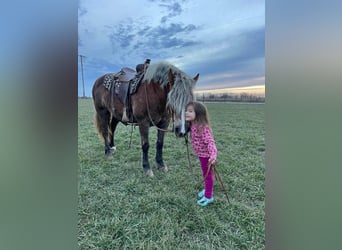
x,y
144,129
159,151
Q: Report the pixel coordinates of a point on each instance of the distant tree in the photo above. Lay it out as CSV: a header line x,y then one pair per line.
x,y
244,96
224,96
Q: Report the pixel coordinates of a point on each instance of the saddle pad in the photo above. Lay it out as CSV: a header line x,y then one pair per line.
x,y
135,82
108,80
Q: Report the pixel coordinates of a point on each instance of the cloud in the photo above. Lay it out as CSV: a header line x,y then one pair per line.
x,y
236,60
249,44
175,9
81,11
230,52
224,41
171,36
122,35
130,39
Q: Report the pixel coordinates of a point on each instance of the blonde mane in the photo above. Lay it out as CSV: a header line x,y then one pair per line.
x,y
182,91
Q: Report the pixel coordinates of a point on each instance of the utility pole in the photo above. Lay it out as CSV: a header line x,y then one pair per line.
x,y
82,75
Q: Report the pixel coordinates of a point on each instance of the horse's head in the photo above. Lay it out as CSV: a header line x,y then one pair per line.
x,y
181,93
178,88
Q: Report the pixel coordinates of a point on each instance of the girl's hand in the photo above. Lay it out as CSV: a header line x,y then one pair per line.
x,y
212,161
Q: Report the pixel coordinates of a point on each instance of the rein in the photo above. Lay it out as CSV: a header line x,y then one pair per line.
x,y
112,97
217,177
187,151
149,115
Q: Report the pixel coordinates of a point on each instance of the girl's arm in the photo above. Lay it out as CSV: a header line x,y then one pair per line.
x,y
209,139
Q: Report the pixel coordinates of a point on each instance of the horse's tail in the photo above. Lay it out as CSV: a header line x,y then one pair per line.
x,y
97,119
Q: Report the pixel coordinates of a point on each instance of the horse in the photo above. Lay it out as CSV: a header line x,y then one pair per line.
x,y
162,94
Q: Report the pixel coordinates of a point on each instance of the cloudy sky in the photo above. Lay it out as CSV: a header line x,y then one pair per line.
x,y
223,41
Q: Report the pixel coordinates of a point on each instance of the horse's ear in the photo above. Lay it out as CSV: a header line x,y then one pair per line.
x,y
171,77
196,77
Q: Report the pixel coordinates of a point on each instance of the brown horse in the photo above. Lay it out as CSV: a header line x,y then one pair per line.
x,y
163,93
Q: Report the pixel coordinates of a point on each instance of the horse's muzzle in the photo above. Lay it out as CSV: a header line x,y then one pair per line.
x,y
178,130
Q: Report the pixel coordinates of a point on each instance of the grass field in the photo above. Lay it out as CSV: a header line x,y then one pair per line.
x,y
120,208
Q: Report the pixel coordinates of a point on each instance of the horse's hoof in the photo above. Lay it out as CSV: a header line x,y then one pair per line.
x,y
109,155
149,173
164,169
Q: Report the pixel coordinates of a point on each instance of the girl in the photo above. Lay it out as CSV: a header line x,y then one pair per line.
x,y
204,147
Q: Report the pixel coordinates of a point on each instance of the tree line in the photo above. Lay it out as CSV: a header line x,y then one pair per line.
x,y
243,97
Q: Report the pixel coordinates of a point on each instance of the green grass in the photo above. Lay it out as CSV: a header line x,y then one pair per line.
x,y
120,208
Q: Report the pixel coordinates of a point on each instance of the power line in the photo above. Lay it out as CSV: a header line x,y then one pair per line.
x,y
81,56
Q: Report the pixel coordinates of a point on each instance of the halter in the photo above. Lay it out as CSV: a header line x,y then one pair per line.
x,y
149,115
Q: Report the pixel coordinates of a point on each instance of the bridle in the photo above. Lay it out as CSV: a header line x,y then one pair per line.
x,y
149,115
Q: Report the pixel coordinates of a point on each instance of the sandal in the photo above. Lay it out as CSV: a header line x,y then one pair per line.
x,y
201,194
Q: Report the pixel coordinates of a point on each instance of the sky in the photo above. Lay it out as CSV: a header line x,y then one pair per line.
x,y
223,41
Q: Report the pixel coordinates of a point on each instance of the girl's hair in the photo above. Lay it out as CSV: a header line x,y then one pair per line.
x,y
201,112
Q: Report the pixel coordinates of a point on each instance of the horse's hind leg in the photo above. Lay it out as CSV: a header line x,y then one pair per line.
x,y
113,125
102,118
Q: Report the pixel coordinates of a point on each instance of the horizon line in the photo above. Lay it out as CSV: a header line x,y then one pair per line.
x,y
255,89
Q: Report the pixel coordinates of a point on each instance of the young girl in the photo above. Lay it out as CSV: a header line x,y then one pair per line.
x,y
204,147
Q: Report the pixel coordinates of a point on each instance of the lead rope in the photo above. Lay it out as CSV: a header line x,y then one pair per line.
x,y
130,140
217,177
187,150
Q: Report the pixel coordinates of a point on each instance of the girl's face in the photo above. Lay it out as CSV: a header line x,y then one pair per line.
x,y
190,114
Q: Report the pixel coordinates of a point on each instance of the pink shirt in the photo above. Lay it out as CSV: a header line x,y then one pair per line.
x,y
203,143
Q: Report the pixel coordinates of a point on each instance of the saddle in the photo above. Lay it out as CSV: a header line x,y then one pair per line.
x,y
124,84
125,74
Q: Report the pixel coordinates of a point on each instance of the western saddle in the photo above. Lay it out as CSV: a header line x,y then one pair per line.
x,y
124,84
